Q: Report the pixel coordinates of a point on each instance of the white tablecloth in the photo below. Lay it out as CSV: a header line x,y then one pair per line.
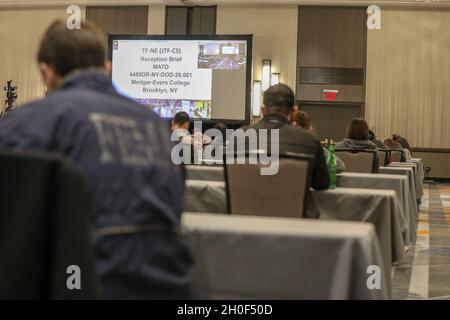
x,y
244,257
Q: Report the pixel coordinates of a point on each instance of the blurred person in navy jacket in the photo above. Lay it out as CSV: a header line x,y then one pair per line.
x,y
124,152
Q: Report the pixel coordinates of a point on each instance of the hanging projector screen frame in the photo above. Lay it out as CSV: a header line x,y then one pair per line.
x,y
242,37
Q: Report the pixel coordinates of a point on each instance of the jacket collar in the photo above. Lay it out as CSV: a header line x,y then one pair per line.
x,y
87,78
274,118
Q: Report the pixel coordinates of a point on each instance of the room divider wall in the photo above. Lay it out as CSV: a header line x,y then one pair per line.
x,y
331,55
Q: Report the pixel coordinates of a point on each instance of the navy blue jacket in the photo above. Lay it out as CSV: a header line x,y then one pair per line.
x,y
124,152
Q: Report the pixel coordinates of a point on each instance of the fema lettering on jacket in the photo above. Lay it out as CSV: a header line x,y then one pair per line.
x,y
123,140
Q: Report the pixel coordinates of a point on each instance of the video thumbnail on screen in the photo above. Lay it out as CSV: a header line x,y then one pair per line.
x,y
222,55
167,108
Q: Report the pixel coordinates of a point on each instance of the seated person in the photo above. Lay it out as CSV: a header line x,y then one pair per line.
x,y
180,128
278,103
122,150
402,141
303,120
218,142
222,127
357,137
377,142
391,144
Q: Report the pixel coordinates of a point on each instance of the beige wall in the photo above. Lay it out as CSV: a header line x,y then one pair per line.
x,y
275,35
20,32
156,19
408,76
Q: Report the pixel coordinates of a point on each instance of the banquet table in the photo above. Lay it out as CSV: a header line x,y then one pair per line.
x,y
409,172
398,183
248,257
205,196
421,174
202,172
420,168
216,173
380,207
419,163
418,174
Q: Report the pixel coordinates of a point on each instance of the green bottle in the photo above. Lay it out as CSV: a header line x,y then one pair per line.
x,y
331,165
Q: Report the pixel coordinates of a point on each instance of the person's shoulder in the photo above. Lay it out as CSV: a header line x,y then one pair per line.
x,y
35,108
255,125
139,110
247,127
100,101
301,133
371,145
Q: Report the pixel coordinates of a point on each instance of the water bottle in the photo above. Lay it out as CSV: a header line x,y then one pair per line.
x,y
331,165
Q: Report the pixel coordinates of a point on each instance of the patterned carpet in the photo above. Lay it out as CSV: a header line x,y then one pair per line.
x,y
425,273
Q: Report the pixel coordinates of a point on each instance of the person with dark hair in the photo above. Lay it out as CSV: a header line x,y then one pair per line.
x,y
278,102
218,145
375,141
181,120
357,137
402,141
303,120
180,126
222,127
123,151
391,144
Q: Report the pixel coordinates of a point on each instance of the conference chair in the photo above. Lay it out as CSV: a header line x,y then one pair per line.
x,y
385,156
283,194
357,160
45,229
397,155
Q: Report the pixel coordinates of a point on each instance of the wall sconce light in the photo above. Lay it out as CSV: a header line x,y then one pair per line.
x,y
275,79
256,98
266,74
